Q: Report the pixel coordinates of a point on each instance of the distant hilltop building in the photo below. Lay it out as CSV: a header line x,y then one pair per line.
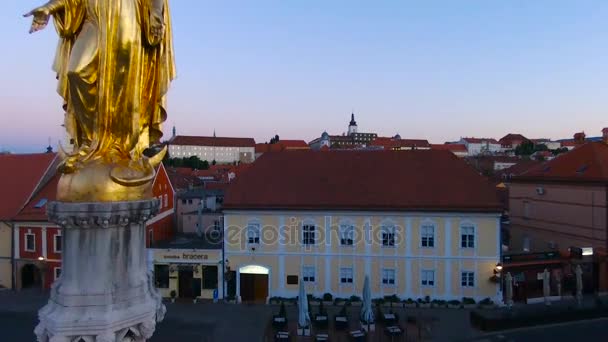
x,y
223,150
353,139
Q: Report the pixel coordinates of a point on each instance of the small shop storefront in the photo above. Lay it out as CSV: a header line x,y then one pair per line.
x,y
190,274
527,270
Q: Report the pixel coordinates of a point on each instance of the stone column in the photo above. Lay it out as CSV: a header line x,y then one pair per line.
x,y
105,292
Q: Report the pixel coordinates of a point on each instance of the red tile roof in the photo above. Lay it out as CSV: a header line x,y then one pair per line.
x,y
294,144
35,210
450,147
480,140
362,180
180,180
392,143
20,174
212,141
511,138
586,163
282,145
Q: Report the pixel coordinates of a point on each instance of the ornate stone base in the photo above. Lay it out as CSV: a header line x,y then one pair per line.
x,y
105,293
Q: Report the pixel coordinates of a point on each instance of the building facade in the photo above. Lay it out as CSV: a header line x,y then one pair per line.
x,y
353,139
221,149
189,269
342,226
561,206
477,146
21,176
38,243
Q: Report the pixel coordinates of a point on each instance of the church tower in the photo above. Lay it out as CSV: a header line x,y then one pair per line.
x,y
352,126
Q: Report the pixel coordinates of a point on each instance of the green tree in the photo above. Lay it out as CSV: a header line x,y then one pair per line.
x,y
525,149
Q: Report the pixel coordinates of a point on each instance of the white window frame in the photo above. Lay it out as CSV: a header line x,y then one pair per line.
x,y
55,269
467,226
347,275
306,234
253,233
55,250
33,249
466,280
166,199
424,228
427,278
389,277
309,274
347,234
389,230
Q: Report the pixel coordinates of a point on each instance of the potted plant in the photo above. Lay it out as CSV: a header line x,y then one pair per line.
x,y
486,303
438,303
355,300
339,301
328,299
468,303
454,304
390,300
409,303
424,303
173,294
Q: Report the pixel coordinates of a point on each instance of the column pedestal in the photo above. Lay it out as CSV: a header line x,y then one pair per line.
x,y
105,292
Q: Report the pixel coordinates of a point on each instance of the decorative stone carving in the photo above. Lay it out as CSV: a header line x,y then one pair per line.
x,y
105,292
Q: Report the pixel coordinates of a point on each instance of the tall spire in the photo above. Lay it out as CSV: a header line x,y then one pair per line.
x,y
352,120
174,131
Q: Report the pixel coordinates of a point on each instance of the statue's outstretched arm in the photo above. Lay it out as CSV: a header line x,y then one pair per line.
x,y
42,14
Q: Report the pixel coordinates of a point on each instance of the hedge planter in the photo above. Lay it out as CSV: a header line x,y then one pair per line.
x,y
409,305
469,306
328,303
424,305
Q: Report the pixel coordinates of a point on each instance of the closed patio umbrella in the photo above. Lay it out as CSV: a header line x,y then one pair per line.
x,y
579,284
367,313
509,290
303,317
546,286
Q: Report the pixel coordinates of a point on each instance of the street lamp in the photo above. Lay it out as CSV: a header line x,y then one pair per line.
x,y
42,271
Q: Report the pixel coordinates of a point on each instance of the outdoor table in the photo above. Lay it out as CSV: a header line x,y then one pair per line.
x,y
390,318
322,337
341,322
279,322
357,335
393,331
282,336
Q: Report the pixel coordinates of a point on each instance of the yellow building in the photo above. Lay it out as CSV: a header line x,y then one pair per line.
x,y
188,265
331,218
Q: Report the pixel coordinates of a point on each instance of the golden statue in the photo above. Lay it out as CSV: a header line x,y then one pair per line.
x,y
114,65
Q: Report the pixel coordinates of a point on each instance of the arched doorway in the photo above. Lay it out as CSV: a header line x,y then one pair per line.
x,y
253,283
30,276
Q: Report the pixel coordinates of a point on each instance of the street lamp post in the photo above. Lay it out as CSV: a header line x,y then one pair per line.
x,y
42,271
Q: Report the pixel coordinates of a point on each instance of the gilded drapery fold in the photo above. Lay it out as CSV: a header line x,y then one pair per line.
x,y
133,74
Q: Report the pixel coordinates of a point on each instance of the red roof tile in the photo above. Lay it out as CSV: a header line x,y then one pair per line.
x,y
586,163
35,210
362,180
212,141
282,145
20,174
180,180
480,140
450,147
511,138
392,143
